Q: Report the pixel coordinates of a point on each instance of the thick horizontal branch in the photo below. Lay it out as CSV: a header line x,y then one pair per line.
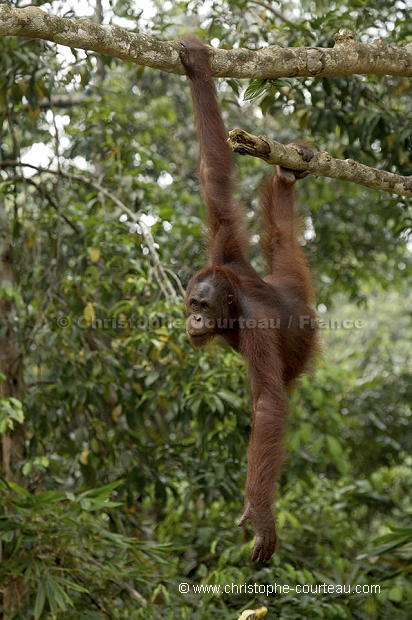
x,y
347,57
322,164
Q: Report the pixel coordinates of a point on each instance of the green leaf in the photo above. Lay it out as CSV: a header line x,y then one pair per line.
x,y
396,594
334,447
230,397
47,497
40,600
256,88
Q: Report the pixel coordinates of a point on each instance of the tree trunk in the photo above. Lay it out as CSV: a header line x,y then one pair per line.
x,y
12,446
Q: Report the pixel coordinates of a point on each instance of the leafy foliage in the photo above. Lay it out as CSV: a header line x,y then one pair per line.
x,y
69,557
136,443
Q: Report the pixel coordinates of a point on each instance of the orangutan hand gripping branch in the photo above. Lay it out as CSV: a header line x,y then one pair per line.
x,y
267,320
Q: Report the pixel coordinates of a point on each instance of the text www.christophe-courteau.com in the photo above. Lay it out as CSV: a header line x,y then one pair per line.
x,y
276,588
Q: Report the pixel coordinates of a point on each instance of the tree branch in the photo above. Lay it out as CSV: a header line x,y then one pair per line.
x,y
322,164
40,189
347,57
63,100
267,6
159,271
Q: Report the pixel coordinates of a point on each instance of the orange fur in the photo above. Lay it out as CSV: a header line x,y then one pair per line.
x,y
267,320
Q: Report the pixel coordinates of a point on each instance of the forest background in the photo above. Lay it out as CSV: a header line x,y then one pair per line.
x,y
124,450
